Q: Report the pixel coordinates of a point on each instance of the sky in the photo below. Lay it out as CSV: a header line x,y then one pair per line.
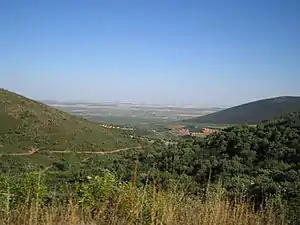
x,y
211,52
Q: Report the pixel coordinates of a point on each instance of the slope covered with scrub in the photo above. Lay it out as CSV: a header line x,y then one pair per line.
x,y
26,123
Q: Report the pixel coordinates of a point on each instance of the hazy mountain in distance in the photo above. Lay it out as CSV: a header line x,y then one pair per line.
x,y
252,112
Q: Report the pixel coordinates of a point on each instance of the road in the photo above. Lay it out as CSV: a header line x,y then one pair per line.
x,y
35,151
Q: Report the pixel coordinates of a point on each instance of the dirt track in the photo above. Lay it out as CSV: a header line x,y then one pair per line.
x,y
35,151
98,153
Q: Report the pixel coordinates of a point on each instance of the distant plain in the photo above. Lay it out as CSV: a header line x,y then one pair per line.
x,y
132,114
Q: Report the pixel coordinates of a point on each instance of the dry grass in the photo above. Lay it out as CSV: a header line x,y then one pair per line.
x,y
131,205
165,209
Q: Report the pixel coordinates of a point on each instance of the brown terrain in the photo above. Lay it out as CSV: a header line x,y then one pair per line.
x,y
180,130
208,131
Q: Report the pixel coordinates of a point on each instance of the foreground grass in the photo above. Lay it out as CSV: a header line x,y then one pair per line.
x,y
165,209
103,200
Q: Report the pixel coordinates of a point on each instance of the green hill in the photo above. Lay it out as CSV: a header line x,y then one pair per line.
x,y
253,112
25,123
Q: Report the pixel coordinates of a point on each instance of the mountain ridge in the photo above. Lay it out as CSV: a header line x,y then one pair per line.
x,y
252,112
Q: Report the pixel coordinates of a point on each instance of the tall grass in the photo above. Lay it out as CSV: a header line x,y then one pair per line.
x,y
104,200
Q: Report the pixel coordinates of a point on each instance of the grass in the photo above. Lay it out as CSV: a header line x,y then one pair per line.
x,y
103,200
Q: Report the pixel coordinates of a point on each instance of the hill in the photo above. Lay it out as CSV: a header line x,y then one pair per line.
x,y
26,123
253,112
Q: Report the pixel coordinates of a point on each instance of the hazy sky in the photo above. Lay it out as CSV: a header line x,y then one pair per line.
x,y
156,51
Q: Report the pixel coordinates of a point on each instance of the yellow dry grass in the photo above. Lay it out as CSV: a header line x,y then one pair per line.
x,y
146,206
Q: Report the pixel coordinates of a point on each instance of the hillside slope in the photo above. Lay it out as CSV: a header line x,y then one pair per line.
x,y
253,112
26,123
